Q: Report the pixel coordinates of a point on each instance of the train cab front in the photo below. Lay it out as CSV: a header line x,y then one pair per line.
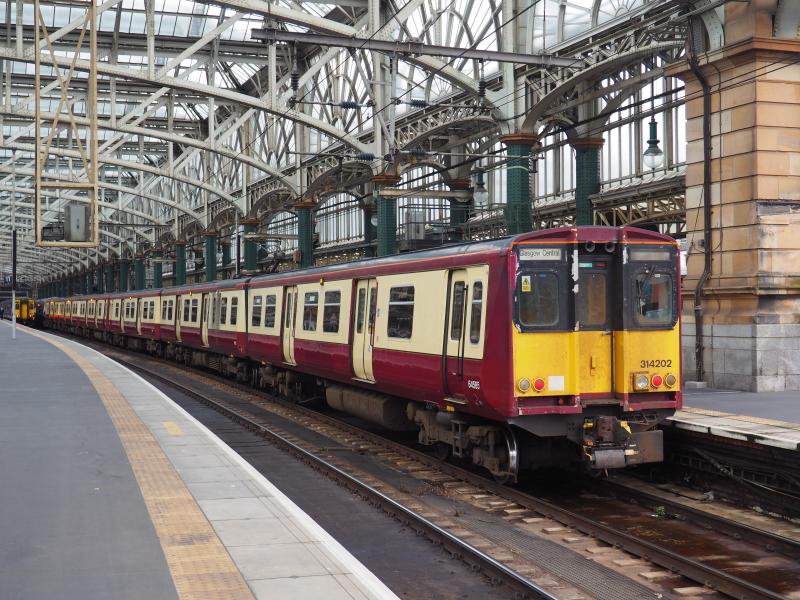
x,y
596,341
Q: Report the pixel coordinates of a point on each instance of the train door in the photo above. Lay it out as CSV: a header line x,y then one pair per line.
x,y
594,326
455,332
205,314
179,308
364,311
289,318
141,311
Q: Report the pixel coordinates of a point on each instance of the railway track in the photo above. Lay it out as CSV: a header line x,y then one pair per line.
x,y
517,505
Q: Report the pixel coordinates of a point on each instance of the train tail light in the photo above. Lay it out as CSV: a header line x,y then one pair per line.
x,y
538,385
670,380
641,382
657,380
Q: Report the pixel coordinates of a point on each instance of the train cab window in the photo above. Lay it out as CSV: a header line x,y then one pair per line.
x,y
186,307
330,314
270,302
653,304
223,312
310,310
538,299
194,310
361,309
457,312
257,307
476,311
592,300
234,310
401,312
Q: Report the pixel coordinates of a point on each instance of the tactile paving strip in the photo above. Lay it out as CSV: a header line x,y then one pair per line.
x,y
200,566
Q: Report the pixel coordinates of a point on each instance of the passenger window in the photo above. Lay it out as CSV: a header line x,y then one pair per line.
x,y
310,309
257,306
373,307
457,311
269,310
362,301
592,294
538,299
476,311
186,306
164,311
194,310
223,312
653,298
288,310
234,310
330,315
401,312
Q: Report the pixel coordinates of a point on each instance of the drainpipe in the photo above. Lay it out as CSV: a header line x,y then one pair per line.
x,y
698,292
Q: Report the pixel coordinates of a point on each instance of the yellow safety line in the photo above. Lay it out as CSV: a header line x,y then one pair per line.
x,y
200,566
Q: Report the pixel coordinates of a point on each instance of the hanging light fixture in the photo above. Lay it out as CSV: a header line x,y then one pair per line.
x,y
480,195
653,157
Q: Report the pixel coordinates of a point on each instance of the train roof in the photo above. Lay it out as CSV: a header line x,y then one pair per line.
x,y
476,250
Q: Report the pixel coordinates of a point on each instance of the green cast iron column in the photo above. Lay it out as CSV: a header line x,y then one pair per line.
x,y
587,177
158,270
138,273
369,228
226,258
387,214
123,275
110,278
459,209
518,182
305,233
211,255
179,270
250,248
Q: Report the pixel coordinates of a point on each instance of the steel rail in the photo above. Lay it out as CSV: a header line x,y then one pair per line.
x,y
691,569
770,541
497,571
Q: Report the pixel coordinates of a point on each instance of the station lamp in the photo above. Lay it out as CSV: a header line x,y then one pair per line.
x,y
653,156
480,195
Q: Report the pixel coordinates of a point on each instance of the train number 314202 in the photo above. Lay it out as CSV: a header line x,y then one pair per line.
x,y
655,364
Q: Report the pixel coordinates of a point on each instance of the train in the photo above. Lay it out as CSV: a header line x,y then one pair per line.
x,y
551,348
29,311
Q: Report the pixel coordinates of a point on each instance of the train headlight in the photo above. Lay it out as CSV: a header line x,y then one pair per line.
x,y
641,382
524,384
670,380
657,380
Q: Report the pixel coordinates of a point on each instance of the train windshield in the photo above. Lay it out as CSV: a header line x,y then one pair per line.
x,y
653,300
652,290
538,299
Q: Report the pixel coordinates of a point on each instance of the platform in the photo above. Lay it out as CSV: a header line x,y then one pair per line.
x,y
111,490
766,418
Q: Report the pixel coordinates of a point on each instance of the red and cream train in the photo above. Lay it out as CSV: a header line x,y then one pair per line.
x,y
546,348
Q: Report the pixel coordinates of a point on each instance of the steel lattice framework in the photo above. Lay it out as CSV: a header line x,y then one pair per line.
x,y
199,124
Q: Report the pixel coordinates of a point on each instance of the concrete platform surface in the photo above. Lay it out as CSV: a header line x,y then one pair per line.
x,y
111,490
767,418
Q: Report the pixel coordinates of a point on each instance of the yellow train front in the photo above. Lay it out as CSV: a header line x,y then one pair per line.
x,y
596,340
25,311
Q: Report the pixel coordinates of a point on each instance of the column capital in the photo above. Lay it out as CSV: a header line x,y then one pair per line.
x,y
304,202
211,233
389,179
588,143
225,241
250,222
520,137
181,242
461,183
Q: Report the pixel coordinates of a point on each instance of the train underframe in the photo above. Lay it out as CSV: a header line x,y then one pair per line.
x,y
599,438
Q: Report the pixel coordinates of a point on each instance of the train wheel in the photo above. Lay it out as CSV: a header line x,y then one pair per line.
x,y
510,459
440,451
